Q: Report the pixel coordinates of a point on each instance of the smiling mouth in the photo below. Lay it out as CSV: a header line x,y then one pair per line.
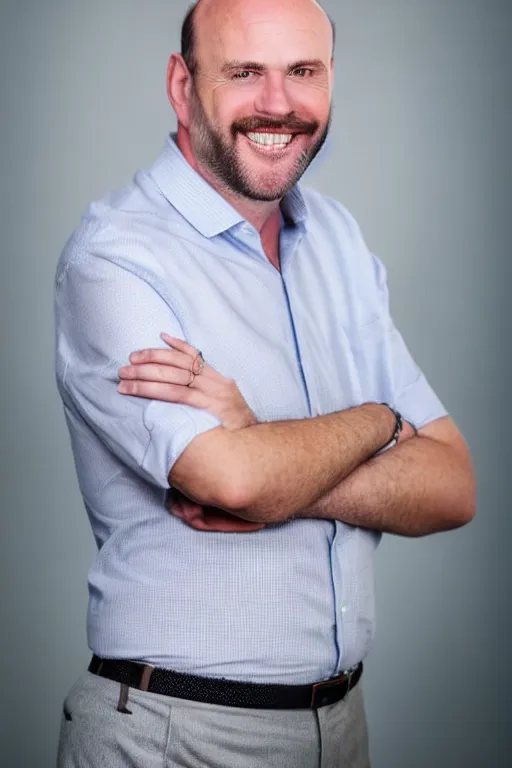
x,y
270,142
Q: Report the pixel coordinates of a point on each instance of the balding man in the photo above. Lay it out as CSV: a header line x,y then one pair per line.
x,y
237,493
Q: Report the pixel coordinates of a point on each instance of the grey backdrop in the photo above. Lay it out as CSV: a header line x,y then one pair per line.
x,y
420,153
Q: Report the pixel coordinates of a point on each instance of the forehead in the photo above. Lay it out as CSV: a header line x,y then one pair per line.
x,y
273,34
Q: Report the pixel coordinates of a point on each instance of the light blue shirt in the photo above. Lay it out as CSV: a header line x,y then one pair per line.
x,y
294,602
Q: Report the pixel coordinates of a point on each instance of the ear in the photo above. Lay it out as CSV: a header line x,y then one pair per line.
x,y
179,87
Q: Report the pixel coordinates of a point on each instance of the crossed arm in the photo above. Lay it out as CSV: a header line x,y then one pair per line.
x,y
322,467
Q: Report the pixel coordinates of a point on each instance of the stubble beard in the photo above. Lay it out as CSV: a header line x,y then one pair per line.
x,y
220,157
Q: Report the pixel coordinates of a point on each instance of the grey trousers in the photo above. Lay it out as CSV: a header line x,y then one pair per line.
x,y
167,732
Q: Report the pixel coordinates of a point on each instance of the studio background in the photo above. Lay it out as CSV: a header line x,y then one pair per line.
x,y
420,154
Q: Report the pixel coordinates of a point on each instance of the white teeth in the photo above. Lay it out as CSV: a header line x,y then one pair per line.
x,y
271,139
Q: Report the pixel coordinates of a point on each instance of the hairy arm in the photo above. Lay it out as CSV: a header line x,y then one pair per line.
x,y
421,486
317,468
269,472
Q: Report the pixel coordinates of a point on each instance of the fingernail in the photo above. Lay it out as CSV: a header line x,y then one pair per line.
x,y
122,387
135,356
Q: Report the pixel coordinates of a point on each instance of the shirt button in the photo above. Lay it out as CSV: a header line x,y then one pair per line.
x,y
344,609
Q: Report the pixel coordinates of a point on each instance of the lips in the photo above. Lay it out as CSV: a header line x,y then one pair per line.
x,y
272,136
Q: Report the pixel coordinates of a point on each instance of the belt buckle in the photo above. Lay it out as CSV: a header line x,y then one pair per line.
x,y
319,695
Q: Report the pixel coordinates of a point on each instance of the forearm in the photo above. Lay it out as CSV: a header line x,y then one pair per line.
x,y
269,472
419,487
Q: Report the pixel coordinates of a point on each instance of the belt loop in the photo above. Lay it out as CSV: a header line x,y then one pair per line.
x,y
123,700
146,677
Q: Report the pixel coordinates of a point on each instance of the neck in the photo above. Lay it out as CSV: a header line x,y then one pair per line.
x,y
261,215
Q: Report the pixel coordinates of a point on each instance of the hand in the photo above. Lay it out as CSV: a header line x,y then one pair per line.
x,y
207,518
174,376
162,374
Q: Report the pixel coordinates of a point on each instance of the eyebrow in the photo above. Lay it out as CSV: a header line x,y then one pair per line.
x,y
230,66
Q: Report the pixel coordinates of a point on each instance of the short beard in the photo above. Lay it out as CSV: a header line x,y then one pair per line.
x,y
214,152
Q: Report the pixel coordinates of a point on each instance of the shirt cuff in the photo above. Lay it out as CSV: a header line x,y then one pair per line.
x,y
172,428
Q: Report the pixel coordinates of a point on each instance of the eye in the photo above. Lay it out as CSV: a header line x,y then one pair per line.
x,y
244,74
302,72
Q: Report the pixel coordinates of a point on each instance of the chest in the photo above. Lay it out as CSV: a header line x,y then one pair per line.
x,y
296,341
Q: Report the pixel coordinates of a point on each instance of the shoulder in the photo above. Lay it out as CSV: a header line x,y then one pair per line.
x,y
121,229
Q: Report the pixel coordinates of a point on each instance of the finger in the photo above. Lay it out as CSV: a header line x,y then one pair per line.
x,y
184,512
180,345
217,519
167,374
185,508
162,357
171,358
169,393
197,359
206,519
212,524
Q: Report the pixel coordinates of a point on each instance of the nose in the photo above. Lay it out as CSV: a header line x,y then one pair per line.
x,y
273,98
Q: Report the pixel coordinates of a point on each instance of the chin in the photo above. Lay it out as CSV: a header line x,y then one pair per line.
x,y
276,189
268,194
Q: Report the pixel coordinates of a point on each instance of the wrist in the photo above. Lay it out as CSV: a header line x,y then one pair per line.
x,y
397,427
384,420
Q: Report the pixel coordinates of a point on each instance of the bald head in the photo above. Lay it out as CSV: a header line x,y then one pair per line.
x,y
188,30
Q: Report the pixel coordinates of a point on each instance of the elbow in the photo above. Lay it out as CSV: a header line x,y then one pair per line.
x,y
456,517
463,507
241,499
466,513
247,500
462,495
237,491
215,471
468,498
232,486
212,472
232,493
223,489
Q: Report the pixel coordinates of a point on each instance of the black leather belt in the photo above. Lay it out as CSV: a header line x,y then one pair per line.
x,y
229,693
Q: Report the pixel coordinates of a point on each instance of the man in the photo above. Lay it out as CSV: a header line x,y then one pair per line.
x,y
229,616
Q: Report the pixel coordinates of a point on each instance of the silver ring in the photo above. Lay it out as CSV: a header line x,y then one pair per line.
x,y
192,379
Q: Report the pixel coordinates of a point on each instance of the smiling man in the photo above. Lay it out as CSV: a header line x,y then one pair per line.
x,y
252,125
266,134
237,494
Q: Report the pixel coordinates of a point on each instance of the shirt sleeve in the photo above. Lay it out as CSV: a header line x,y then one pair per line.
x,y
106,307
411,393
386,365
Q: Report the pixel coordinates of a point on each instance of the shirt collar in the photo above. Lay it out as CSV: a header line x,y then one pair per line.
x,y
199,203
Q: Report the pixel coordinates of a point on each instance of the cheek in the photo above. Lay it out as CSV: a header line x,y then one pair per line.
x,y
230,104
311,100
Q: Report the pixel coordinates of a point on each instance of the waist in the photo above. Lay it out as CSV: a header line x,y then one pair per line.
x,y
221,691
281,606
